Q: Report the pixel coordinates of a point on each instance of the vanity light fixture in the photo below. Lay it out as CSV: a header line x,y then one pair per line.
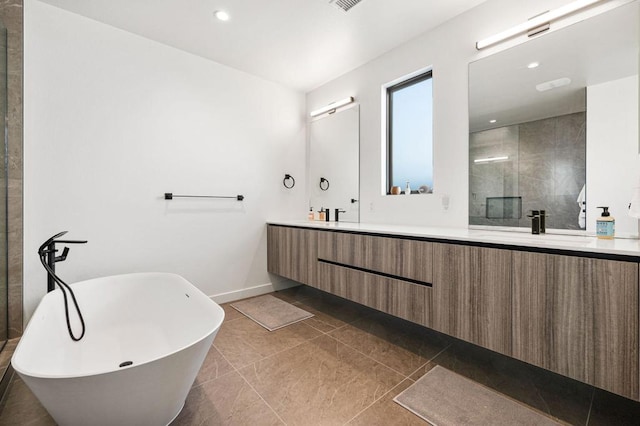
x,y
331,108
221,15
535,22
533,65
490,159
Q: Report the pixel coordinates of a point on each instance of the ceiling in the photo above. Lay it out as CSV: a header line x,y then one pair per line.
x,y
298,43
600,49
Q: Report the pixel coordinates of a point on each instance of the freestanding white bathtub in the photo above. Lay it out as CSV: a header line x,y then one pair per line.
x,y
158,323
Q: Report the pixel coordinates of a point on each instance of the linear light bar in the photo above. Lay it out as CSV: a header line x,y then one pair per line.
x,y
487,160
535,22
332,106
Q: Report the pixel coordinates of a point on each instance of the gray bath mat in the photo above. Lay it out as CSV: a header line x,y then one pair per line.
x,y
271,312
444,398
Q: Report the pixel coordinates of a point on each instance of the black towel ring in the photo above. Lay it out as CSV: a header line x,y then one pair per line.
x,y
323,180
286,178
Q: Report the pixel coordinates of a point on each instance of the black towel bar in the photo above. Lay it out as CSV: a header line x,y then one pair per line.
x,y
171,196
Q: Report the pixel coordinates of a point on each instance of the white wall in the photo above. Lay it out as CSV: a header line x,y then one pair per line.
x,y
448,49
113,120
612,151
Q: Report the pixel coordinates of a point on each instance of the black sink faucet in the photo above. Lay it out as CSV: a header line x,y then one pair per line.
x,y
538,221
48,250
338,211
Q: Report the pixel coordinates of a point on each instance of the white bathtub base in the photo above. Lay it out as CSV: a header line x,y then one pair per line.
x,y
150,391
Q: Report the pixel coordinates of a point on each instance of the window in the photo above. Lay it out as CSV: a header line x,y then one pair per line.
x,y
409,134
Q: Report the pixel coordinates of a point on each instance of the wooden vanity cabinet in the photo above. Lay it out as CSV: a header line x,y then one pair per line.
x,y
292,253
572,314
472,294
578,317
392,275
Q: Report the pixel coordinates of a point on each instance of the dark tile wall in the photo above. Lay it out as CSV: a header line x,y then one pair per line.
x,y
11,14
546,167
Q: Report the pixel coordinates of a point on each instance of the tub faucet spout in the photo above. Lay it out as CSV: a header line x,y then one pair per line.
x,y
48,258
48,251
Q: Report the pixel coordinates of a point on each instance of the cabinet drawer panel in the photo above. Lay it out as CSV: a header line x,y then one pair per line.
x,y
578,317
394,256
472,295
399,298
292,253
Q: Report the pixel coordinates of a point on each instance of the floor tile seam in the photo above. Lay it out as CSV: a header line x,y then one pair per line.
x,y
593,395
265,401
371,358
215,378
381,362
277,353
259,394
321,331
301,300
376,400
429,361
227,321
237,370
547,413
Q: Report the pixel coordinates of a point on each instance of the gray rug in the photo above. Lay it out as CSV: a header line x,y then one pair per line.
x,y
444,398
271,312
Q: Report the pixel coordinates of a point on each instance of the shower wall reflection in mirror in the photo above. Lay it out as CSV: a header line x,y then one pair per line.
x,y
530,131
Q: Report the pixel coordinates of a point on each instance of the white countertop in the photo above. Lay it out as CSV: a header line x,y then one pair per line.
x,y
578,243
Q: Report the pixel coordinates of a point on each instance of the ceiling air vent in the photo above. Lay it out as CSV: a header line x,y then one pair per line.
x,y
344,4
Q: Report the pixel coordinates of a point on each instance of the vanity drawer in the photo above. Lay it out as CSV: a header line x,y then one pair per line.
x,y
396,257
402,299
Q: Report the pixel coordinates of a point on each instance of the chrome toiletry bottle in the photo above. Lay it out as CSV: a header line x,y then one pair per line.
x,y
311,215
605,225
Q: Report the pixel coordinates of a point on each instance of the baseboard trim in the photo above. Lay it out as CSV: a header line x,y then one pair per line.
x,y
232,296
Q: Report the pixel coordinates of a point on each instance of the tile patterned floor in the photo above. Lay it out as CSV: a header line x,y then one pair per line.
x,y
345,366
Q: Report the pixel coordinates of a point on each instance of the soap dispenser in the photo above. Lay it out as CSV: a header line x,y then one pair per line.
x,y
605,225
311,215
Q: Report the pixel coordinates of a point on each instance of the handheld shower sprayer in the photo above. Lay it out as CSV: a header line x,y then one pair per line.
x,y
48,258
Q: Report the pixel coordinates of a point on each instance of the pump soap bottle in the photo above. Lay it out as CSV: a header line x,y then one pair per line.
x,y
605,225
311,215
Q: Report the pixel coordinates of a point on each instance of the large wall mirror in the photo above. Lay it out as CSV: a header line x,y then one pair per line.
x,y
553,122
334,163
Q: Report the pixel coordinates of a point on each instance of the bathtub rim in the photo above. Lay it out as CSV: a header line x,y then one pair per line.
x,y
26,372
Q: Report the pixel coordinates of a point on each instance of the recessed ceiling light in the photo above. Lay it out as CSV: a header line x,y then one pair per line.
x,y
492,121
533,65
221,15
